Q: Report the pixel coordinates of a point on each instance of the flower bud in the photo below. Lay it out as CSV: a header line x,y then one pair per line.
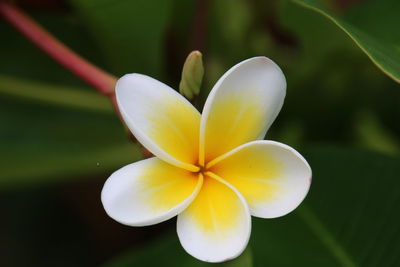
x,y
192,75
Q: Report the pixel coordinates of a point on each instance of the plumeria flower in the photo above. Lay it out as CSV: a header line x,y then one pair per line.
x,y
212,170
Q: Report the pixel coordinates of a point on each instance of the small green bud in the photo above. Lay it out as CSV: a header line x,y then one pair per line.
x,y
192,75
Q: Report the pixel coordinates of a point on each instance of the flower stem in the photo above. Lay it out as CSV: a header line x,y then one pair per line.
x,y
102,81
99,79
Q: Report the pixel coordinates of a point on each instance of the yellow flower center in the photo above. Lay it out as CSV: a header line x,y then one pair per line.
x,y
202,169
205,170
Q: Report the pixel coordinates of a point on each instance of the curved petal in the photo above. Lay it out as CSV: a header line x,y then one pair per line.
x,y
148,192
273,177
160,118
241,106
216,226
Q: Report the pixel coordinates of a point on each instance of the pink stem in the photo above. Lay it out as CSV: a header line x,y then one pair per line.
x,y
94,76
99,79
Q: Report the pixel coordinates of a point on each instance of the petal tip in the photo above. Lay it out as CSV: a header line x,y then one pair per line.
x,y
215,248
126,197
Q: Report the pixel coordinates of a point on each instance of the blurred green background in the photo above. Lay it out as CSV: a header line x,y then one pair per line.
x,y
60,140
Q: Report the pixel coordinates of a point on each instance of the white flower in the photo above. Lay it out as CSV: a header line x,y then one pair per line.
x,y
212,170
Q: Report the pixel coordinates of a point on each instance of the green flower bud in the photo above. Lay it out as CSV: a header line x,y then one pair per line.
x,y
192,75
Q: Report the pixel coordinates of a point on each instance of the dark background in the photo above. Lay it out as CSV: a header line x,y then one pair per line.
x,y
60,140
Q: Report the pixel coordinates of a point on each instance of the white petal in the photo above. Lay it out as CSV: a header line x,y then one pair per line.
x,y
241,106
273,177
148,192
216,226
160,118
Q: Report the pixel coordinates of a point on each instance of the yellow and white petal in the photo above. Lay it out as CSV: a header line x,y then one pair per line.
x,y
217,224
241,106
160,118
273,177
148,192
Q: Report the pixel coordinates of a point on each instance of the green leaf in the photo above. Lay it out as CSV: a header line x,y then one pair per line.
x,y
53,133
374,28
129,33
63,96
349,218
371,133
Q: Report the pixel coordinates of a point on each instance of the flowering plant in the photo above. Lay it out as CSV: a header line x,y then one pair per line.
x,y
213,169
